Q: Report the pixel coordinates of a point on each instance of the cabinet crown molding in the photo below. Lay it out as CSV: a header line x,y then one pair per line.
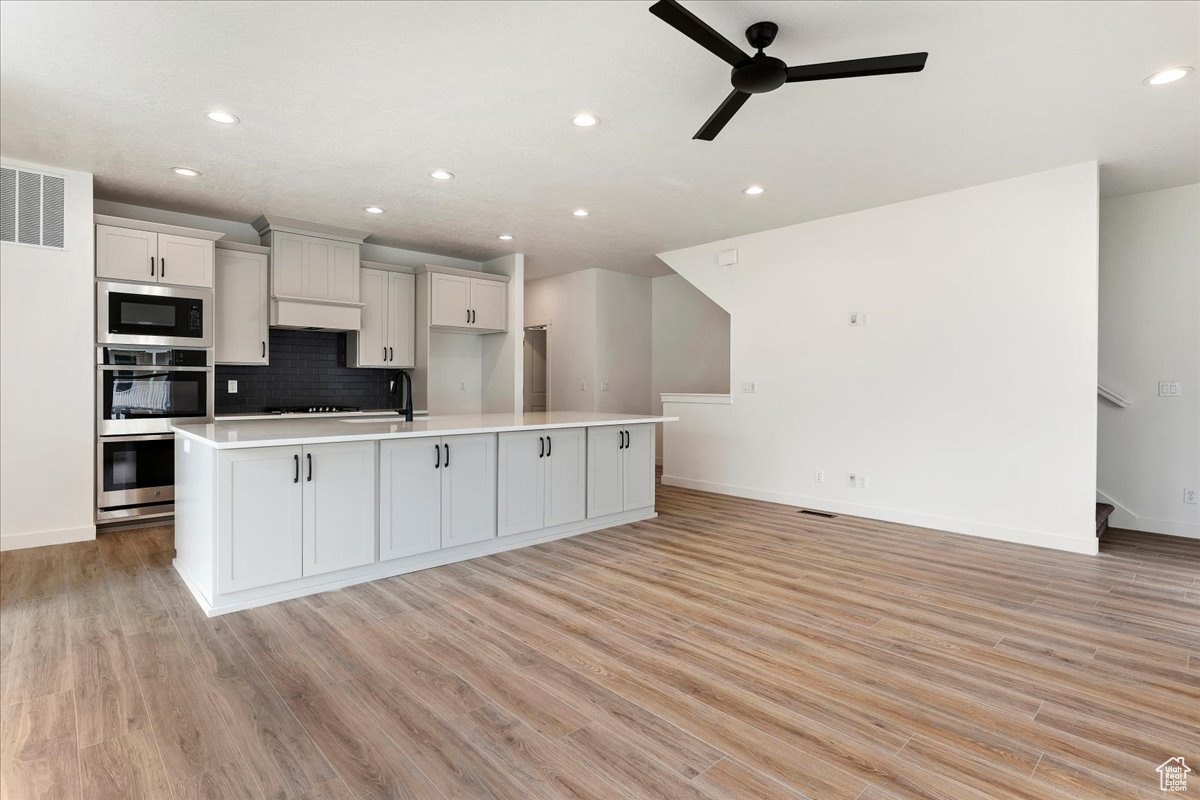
x,y
466,273
227,244
270,222
155,227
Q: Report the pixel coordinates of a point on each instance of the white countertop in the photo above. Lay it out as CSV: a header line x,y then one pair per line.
x,y
290,430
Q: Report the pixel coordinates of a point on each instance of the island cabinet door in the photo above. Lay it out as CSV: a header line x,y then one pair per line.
x,y
520,481
410,497
260,523
637,475
566,476
468,488
339,506
606,456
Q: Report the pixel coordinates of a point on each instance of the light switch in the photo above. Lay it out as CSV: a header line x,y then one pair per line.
x,y
750,387
233,387
1169,389
604,386
727,258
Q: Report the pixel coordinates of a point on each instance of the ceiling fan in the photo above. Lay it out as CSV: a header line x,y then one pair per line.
x,y
762,73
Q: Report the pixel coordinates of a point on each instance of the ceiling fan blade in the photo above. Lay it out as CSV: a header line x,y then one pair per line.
x,y
709,130
858,67
698,31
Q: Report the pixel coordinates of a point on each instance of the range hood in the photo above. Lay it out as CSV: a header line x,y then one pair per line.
x,y
315,272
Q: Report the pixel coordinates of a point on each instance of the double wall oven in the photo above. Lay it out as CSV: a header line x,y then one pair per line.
x,y
153,370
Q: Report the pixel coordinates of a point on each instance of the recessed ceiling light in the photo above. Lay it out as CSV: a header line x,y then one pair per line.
x,y
223,117
1168,76
505,237
580,212
373,210
186,172
441,175
586,120
753,190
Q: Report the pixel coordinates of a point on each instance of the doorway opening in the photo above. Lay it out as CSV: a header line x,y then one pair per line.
x,y
536,394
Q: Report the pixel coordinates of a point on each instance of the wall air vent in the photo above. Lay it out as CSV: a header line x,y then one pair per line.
x,y
32,208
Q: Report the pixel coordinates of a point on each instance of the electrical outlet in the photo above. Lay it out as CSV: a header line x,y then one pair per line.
x,y
1189,496
819,476
852,480
862,481
749,387
462,387
583,386
858,318
232,387
604,386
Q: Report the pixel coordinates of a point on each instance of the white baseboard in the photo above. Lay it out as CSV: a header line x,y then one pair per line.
x,y
1055,541
20,541
301,587
1126,518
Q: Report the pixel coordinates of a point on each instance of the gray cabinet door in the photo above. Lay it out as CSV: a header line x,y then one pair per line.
x,y
339,506
259,529
566,476
468,488
605,457
410,497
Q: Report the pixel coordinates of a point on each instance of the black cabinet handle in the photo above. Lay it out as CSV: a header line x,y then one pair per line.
x,y
447,454
264,344
391,354
162,268
296,478
437,452
151,266
541,446
620,440
468,316
385,354
549,446
309,457
625,436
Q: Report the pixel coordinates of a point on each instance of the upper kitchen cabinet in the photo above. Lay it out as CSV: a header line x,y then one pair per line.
x,y
150,252
315,274
463,301
386,338
241,301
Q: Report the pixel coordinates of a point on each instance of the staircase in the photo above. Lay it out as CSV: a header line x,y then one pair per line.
x,y
1103,512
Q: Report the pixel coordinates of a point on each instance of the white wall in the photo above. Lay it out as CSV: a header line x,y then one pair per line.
x,y
690,335
598,333
623,342
47,382
502,363
566,304
1149,452
968,400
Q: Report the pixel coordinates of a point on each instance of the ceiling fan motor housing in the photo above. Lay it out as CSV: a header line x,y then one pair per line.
x,y
762,73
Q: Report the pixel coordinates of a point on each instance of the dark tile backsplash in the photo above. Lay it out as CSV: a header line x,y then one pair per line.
x,y
307,368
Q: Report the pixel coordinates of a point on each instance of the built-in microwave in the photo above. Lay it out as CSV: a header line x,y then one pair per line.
x,y
149,389
149,314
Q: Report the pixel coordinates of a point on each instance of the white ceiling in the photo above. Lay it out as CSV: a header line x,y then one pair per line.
x,y
345,105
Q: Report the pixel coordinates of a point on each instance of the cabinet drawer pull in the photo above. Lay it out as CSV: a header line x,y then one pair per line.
x,y
549,446
437,452
447,454
309,457
296,477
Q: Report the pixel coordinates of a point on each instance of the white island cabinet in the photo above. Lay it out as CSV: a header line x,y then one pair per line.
x,y
271,509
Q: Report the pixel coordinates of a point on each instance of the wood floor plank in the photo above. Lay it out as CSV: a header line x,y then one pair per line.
x,y
728,648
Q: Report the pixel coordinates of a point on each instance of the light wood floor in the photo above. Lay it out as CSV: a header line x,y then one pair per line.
x,y
728,649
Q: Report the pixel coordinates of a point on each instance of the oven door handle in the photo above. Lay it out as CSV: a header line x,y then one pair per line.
x,y
148,368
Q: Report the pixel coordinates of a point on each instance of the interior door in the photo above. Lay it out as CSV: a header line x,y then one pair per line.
x,y
489,304
402,326
125,254
605,457
339,506
566,476
638,470
468,488
534,394
185,261
240,300
521,481
372,338
410,501
449,300
261,499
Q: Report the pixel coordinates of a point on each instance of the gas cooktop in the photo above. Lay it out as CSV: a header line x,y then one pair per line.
x,y
313,410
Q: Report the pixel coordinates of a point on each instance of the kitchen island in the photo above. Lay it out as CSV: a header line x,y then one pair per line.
x,y
272,509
